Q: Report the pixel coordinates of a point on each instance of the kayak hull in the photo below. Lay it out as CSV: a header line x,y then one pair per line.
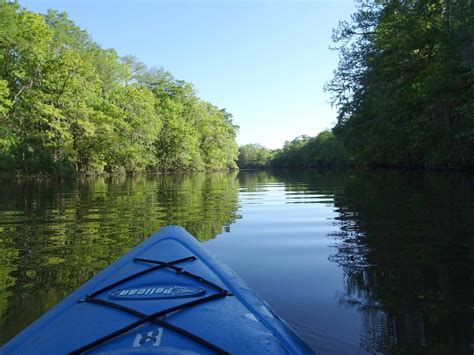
x,y
212,310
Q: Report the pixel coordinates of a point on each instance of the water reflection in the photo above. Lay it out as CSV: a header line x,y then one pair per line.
x,y
377,262
55,236
405,243
406,250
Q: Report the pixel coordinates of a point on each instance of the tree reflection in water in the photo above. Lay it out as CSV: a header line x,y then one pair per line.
x,y
403,240
56,236
406,247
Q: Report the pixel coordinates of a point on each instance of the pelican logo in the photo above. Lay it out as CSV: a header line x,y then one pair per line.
x,y
152,291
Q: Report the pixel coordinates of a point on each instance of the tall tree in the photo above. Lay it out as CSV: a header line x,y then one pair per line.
x,y
404,83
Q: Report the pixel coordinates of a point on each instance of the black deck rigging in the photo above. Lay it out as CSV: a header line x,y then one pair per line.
x,y
155,317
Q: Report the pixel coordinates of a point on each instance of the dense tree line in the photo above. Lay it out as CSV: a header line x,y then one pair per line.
x,y
254,156
323,150
69,106
404,84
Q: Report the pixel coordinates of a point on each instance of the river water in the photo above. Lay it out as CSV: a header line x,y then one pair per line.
x,y
355,261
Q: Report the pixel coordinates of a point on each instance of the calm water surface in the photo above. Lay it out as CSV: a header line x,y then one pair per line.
x,y
355,262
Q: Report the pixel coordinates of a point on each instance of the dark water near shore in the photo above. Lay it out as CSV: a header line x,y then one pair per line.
x,y
356,262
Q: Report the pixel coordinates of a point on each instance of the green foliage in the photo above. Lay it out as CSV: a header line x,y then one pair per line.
x,y
6,136
68,106
254,156
404,85
135,132
324,150
217,135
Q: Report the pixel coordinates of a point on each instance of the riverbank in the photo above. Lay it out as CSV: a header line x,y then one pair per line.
x,y
322,169
52,176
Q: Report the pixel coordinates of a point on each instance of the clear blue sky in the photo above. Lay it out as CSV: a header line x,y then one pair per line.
x,y
264,61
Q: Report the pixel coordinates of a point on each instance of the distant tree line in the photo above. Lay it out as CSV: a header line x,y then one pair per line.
x,y
254,156
324,150
69,106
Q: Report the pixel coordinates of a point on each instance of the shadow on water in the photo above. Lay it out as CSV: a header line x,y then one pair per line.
x,y
54,237
405,242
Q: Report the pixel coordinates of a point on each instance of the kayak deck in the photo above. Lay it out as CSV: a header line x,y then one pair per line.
x,y
168,295
152,291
